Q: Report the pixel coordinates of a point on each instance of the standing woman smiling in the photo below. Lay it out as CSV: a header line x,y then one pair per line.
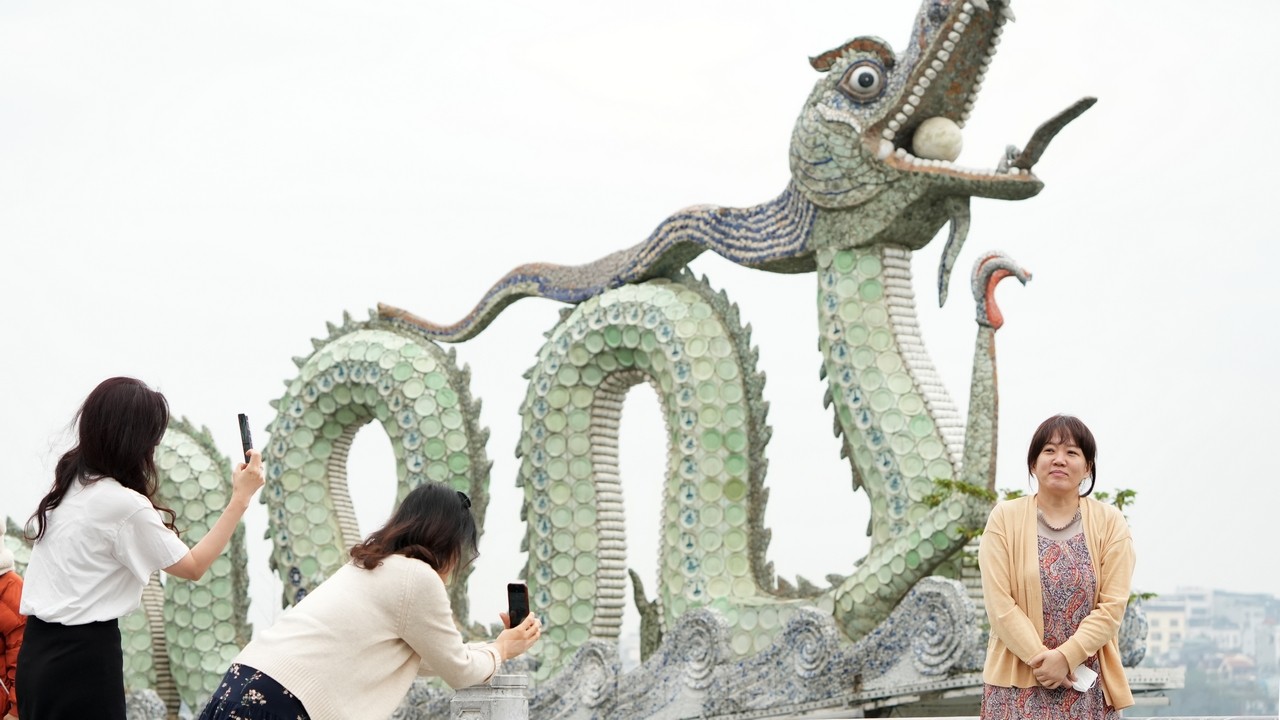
x,y
99,537
1056,568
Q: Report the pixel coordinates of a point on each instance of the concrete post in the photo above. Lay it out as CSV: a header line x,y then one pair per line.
x,y
505,697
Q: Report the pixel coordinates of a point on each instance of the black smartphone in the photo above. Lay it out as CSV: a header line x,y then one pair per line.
x,y
517,602
246,440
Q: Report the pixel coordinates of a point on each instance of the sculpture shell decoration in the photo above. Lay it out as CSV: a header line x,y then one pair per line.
x,y
945,625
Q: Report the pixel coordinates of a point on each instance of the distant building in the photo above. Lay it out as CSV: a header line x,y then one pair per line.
x,y
1237,668
1260,644
1199,605
1225,634
1166,630
1235,624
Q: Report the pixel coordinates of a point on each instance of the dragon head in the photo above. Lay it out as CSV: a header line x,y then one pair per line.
x,y
880,122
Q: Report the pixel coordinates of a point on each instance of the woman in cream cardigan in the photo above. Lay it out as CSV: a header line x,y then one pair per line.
x,y
1055,580
351,649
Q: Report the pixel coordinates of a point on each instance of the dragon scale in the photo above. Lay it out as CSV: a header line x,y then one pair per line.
x,y
366,371
893,415
684,339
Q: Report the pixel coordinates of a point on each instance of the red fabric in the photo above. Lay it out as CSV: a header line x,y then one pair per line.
x,y
12,623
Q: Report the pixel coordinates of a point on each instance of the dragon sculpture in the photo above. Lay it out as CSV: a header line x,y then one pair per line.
x,y
873,179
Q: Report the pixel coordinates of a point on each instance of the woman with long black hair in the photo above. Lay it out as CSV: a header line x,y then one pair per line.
x,y
99,537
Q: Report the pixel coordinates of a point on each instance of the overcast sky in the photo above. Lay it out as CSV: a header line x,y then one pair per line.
x,y
189,191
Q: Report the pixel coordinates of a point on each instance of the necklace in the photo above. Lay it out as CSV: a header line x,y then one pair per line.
x,y
1069,523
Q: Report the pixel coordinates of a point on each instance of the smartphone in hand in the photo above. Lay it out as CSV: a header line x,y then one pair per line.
x,y
246,440
517,602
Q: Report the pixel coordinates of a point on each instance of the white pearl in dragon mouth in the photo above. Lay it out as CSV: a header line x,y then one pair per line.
x,y
937,138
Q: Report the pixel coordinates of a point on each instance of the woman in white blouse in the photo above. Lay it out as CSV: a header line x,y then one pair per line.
x,y
99,537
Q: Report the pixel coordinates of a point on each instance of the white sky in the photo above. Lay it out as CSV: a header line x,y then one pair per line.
x,y
189,191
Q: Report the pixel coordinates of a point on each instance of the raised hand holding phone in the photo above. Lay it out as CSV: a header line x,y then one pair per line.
x,y
517,602
246,479
523,630
246,440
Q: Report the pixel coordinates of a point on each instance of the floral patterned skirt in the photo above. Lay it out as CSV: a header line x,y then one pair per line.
x,y
249,694
1015,703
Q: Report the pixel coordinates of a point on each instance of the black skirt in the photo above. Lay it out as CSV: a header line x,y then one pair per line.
x,y
70,671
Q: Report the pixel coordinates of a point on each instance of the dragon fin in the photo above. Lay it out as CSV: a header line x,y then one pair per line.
x,y
958,207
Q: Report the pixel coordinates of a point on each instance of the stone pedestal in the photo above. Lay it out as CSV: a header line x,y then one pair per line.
x,y
505,697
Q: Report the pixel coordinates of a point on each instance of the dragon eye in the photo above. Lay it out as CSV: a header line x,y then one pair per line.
x,y
863,81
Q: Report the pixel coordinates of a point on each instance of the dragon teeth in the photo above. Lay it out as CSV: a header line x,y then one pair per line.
x,y
906,158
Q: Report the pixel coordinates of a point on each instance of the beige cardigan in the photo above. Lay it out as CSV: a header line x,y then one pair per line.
x,y
1010,562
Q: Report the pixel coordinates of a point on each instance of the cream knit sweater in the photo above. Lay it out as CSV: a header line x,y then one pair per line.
x,y
351,648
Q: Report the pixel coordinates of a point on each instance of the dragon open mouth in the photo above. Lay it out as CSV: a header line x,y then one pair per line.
x,y
1016,163
953,45
906,113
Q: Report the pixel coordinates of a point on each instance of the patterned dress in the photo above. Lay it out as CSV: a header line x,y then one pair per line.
x,y
1069,585
249,694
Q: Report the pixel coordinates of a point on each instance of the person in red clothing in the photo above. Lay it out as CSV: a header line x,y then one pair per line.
x,y
12,623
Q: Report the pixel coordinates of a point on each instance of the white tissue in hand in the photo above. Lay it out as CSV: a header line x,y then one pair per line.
x,y
1084,678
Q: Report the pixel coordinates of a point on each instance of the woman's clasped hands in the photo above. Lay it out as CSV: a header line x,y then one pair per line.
x,y
1052,669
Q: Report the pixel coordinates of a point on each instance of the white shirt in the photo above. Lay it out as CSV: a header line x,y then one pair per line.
x,y
100,547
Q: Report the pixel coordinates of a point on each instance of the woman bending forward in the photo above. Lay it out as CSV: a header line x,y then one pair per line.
x,y
351,649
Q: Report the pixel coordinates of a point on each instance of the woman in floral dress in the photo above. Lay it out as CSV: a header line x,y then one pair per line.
x,y
1056,568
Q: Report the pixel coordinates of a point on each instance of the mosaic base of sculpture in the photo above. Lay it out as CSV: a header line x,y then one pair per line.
x,y
873,179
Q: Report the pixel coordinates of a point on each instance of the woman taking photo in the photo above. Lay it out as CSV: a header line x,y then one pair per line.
x,y
99,537
352,647
1055,580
